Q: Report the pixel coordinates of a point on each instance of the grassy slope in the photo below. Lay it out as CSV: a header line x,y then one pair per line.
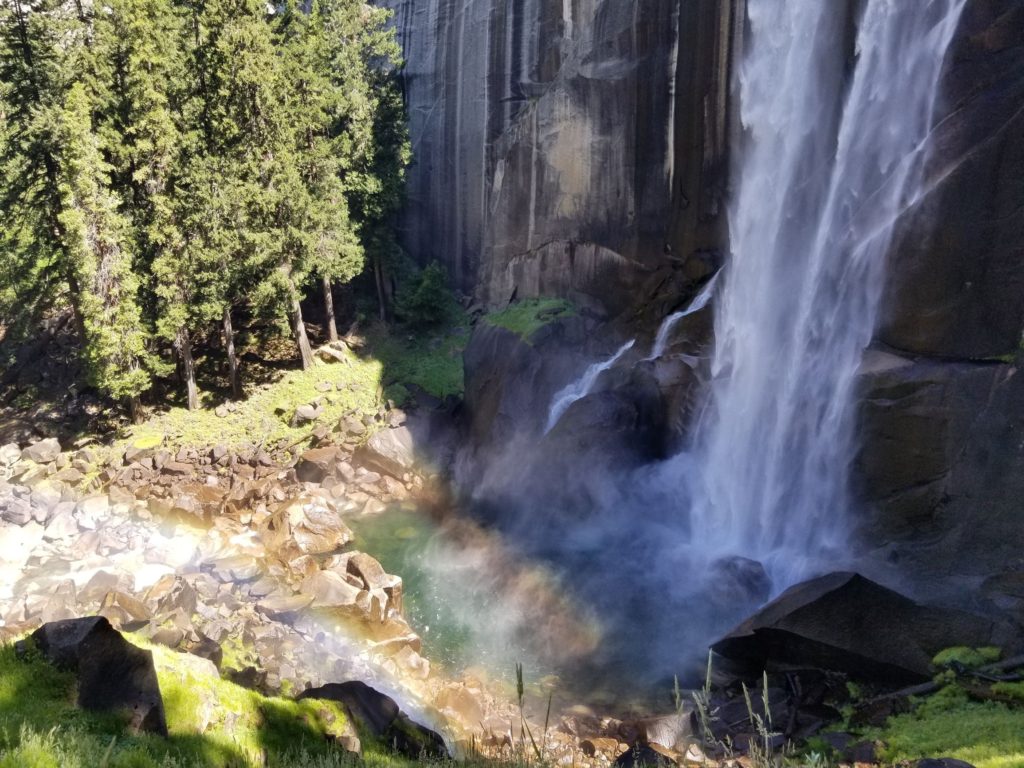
x,y
265,414
984,734
212,723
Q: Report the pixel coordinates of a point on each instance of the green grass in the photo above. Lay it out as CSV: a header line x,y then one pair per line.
x,y
527,317
429,360
948,724
969,657
213,723
264,416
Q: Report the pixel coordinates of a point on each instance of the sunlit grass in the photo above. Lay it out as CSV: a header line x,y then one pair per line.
x,y
527,317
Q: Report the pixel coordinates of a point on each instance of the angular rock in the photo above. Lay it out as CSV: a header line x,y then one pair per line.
x,y
847,623
305,414
330,590
316,464
44,452
113,675
9,454
390,451
237,568
15,511
380,715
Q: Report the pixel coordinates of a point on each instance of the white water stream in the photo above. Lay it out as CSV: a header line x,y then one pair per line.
x,y
582,387
831,159
669,324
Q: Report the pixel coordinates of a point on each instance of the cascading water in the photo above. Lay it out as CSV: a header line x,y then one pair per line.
x,y
582,386
832,157
700,301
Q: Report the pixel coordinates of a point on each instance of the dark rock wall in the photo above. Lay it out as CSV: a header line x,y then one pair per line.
x,y
566,148
957,276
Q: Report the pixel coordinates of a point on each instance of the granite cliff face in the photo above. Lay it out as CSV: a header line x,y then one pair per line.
x,y
566,148
582,149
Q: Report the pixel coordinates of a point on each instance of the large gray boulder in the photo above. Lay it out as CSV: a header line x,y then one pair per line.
x,y
846,623
380,716
43,452
391,451
113,675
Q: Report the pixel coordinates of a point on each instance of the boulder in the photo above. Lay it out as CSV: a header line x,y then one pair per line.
x,y
316,464
9,454
113,675
847,623
390,450
380,715
43,452
311,527
305,414
15,511
331,590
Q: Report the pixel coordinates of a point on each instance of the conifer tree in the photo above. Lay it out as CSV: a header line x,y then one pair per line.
x,y
56,190
96,246
140,71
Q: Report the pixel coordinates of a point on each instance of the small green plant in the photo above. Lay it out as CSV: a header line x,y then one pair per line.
x,y
706,715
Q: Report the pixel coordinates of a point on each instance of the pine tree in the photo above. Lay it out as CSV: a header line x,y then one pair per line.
x,y
228,183
140,68
96,246
56,193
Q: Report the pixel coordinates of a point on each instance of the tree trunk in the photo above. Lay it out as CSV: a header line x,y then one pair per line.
x,y
382,297
188,368
135,409
229,346
329,324
299,332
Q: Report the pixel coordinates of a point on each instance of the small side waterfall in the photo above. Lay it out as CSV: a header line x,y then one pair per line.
x,y
582,386
832,158
669,324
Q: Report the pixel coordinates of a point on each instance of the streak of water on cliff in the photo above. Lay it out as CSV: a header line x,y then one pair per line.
x,y
669,324
583,386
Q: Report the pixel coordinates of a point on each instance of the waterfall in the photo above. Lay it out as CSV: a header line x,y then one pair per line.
x,y
669,324
833,153
582,386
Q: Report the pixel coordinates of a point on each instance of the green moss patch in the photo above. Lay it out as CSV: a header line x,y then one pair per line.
x,y
264,416
984,734
213,723
527,317
429,360
971,658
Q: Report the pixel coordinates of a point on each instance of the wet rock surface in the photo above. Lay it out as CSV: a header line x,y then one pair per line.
x,y
846,623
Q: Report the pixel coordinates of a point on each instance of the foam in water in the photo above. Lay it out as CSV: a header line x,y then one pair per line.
x,y
582,386
820,186
669,324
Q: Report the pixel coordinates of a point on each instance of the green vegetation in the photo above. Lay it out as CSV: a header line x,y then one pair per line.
x,y
527,317
948,724
426,302
212,723
431,360
968,657
953,723
169,167
265,416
